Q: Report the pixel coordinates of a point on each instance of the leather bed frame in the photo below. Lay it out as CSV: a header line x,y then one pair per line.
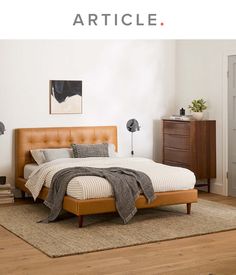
x,y
33,138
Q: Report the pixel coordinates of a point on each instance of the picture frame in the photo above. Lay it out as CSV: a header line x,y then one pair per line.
x,y
65,97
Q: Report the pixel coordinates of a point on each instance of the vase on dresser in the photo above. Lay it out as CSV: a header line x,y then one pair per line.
x,y
197,115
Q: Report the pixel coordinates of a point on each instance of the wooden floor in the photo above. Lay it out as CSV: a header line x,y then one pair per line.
x,y
213,254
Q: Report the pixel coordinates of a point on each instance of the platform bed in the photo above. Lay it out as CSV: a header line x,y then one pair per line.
x,y
32,138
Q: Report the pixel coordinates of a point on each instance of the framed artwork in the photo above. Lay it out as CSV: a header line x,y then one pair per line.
x,y
65,97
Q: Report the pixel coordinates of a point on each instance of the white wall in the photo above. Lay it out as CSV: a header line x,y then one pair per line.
x,y
201,72
121,80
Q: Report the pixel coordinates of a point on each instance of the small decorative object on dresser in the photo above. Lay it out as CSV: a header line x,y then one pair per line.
x,y
191,144
6,195
182,112
197,108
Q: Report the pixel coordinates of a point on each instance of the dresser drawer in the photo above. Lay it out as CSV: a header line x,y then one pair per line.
x,y
176,127
175,155
177,141
178,164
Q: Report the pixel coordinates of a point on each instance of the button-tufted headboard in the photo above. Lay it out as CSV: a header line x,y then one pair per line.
x,y
33,138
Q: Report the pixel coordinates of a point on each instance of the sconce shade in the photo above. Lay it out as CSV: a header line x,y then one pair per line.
x,y
2,128
133,125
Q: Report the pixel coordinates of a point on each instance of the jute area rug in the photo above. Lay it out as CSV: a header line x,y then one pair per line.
x,y
101,232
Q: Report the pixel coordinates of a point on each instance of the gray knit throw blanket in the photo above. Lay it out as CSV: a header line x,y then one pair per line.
x,y
126,184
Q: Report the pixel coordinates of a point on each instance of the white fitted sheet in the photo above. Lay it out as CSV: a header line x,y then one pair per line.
x,y
164,178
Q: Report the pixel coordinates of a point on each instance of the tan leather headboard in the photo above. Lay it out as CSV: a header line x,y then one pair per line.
x,y
33,138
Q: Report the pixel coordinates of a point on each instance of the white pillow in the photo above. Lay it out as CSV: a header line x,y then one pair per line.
x,y
44,155
52,154
38,156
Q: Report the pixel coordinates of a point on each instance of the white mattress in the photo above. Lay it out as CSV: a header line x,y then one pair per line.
x,y
164,178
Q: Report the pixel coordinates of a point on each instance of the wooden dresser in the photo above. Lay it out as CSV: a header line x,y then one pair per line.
x,y
191,144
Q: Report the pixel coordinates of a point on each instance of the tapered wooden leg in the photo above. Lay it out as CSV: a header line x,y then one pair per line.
x,y
23,195
209,185
188,208
80,220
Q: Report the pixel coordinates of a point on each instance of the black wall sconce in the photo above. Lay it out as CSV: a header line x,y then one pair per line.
x,y
132,126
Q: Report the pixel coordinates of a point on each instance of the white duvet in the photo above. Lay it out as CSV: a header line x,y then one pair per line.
x,y
164,178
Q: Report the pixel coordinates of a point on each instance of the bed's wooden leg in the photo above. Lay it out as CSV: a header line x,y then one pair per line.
x,y
80,220
188,208
23,195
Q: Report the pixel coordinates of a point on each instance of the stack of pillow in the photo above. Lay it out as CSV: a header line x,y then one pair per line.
x,y
76,151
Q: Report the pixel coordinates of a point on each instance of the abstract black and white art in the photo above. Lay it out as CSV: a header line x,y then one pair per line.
x,y
66,97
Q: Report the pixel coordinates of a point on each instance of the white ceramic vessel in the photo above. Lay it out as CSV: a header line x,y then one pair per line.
x,y
197,115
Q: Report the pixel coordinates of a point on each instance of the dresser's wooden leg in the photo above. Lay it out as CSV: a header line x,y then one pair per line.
x,y
188,208
209,185
23,195
80,220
